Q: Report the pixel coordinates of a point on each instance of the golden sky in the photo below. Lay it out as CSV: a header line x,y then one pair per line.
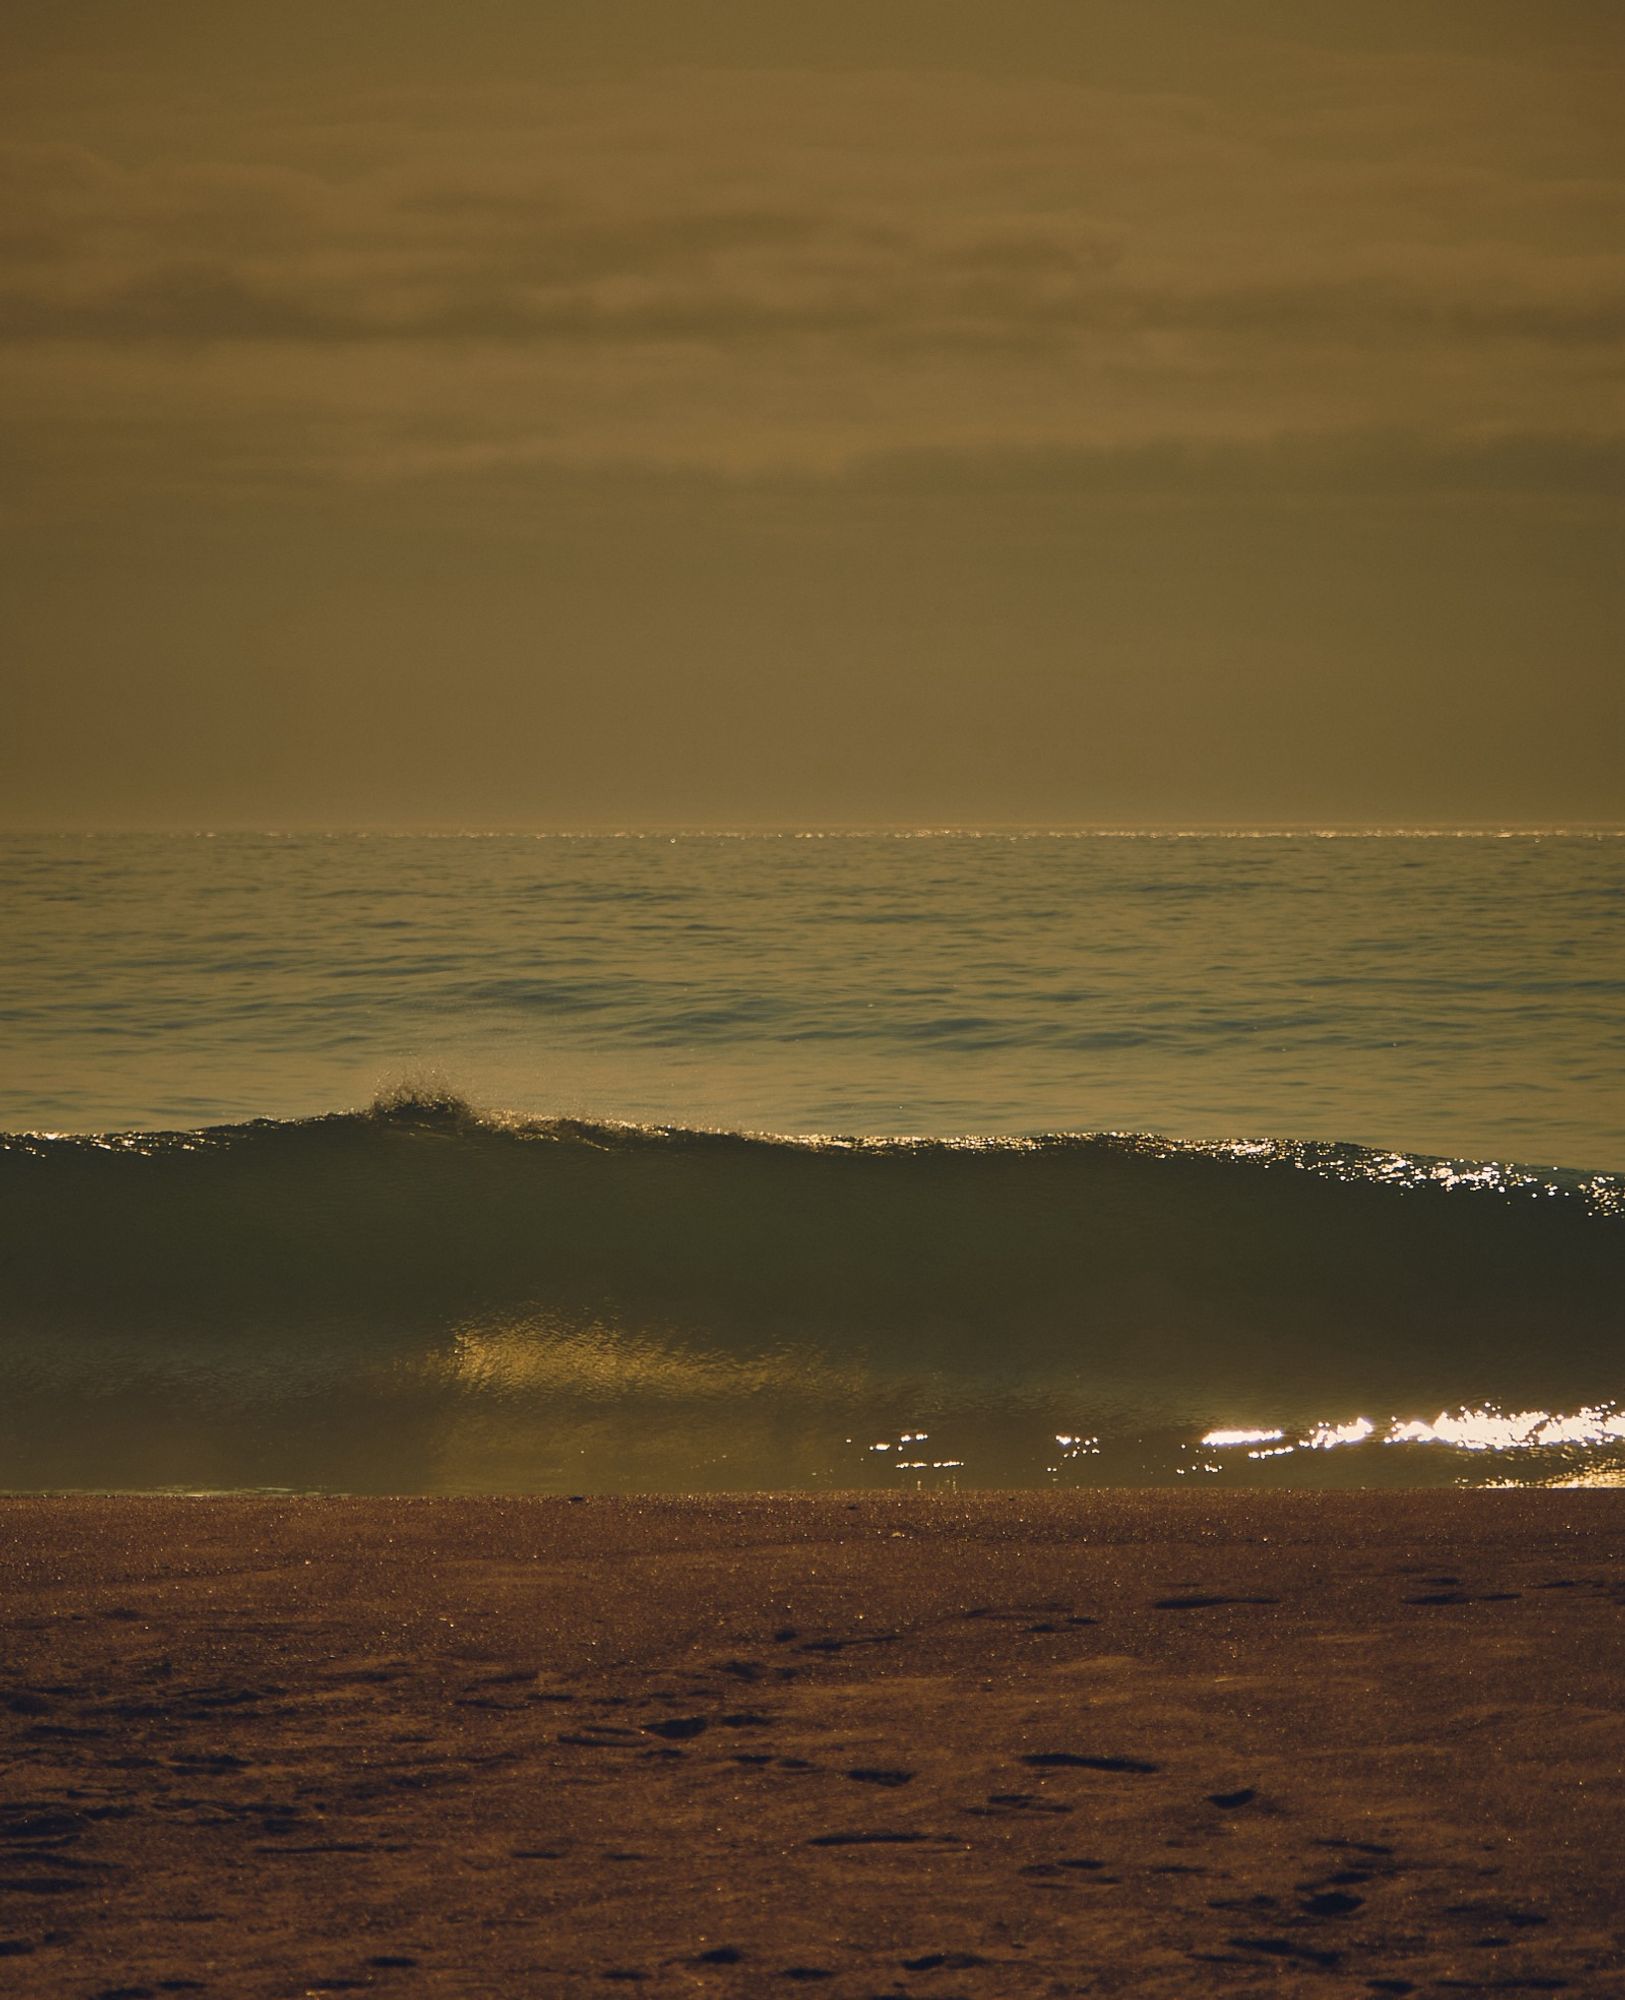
x,y
925,412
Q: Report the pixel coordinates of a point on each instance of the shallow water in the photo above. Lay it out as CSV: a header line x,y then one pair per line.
x,y
422,1298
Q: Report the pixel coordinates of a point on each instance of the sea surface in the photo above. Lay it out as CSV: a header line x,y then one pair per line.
x,y
582,1163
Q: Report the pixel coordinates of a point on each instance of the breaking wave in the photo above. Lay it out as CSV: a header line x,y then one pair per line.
x,y
423,1296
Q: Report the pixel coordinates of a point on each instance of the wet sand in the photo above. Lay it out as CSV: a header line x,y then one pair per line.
x,y
1138,1743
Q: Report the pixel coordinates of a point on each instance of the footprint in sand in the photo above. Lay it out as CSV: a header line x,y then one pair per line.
x,y
24,1701
1274,1947
1049,1760
1206,1603
41,1826
873,1838
1463,1597
1498,1914
1094,1871
999,1804
1331,1903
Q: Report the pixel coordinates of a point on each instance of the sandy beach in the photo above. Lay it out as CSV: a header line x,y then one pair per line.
x,y
1096,1742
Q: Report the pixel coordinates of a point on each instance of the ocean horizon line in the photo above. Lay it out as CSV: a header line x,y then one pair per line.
x,y
842,830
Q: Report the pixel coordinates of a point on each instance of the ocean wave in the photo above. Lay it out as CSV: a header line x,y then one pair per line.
x,y
424,1203
303,1297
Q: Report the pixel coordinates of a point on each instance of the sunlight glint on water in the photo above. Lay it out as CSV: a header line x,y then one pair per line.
x,y
421,1297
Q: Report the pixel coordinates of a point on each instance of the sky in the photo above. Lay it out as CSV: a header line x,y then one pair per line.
x,y
723,413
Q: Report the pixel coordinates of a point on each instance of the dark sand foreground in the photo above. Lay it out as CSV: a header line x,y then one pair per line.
x,y
1022,1744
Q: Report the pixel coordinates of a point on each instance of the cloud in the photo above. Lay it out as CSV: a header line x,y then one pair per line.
x,y
1355,467
802,272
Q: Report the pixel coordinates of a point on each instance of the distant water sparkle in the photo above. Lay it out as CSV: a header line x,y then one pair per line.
x,y
1462,996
